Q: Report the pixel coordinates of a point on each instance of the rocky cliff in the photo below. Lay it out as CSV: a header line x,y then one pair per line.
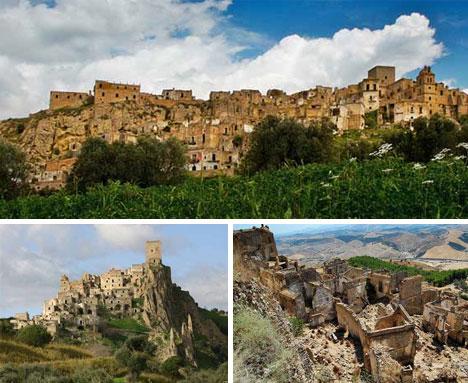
x,y
175,318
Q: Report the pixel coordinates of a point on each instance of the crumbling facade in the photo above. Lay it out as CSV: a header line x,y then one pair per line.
x,y
217,131
375,308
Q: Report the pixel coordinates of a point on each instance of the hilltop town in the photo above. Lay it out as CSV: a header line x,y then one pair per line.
x,y
395,327
143,292
216,131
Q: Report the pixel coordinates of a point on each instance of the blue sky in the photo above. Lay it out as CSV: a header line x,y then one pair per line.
x,y
35,256
207,45
279,18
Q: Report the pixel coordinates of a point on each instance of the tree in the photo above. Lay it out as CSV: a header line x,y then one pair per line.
x,y
134,355
428,137
6,328
276,142
34,335
161,162
149,162
13,171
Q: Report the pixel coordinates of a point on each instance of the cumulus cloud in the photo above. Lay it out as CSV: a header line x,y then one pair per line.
x,y
125,237
170,43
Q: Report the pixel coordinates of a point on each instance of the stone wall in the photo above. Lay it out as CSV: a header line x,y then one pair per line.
x,y
60,99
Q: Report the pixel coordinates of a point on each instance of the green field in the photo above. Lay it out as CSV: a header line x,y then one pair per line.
x,y
436,277
389,188
128,324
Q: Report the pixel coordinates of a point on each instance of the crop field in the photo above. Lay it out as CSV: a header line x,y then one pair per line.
x,y
379,188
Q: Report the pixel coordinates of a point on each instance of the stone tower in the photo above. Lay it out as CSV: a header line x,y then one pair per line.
x,y
153,253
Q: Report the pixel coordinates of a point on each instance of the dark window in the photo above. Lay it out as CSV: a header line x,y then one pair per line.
x,y
194,168
134,96
367,87
203,138
375,86
116,95
213,157
100,85
103,94
215,167
56,96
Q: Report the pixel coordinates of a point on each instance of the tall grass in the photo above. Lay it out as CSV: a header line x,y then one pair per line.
x,y
380,188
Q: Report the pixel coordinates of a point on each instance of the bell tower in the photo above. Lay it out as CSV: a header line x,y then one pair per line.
x,y
153,253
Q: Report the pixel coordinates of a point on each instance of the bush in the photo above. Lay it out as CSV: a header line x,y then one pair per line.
x,y
6,328
220,375
147,163
13,171
258,349
134,355
297,326
34,335
171,366
428,137
275,143
437,277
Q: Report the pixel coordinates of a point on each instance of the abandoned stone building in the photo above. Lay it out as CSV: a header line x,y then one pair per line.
x,y
79,303
216,131
374,307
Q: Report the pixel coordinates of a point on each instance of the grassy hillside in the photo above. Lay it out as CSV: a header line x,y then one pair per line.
x,y
371,189
438,278
16,352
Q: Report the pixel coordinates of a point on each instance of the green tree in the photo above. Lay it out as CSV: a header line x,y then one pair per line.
x,y
13,171
149,162
134,355
428,137
276,142
34,335
161,162
6,328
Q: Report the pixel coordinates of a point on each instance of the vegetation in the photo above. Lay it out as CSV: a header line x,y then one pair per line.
x,y
276,142
45,374
428,138
13,171
208,376
379,188
134,355
6,328
258,347
171,366
297,325
128,324
437,277
34,335
149,162
221,320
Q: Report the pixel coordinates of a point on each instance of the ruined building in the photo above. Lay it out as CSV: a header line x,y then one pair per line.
x,y
375,308
216,131
144,292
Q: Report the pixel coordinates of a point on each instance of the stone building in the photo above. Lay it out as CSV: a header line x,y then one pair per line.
x,y
375,307
217,131
79,302
108,92
60,99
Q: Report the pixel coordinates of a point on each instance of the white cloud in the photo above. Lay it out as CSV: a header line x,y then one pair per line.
x,y
166,43
125,237
208,285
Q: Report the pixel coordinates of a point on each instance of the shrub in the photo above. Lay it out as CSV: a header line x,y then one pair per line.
x,y
13,171
34,335
258,347
171,365
6,328
275,143
134,355
297,326
220,375
147,163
